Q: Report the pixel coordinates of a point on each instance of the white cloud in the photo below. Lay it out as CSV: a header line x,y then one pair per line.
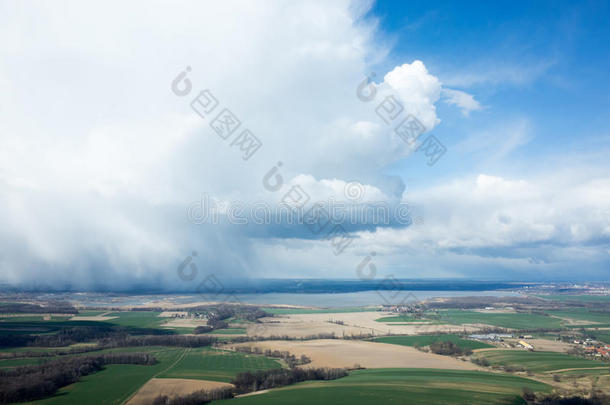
x,y
491,226
497,142
417,89
463,100
99,159
492,72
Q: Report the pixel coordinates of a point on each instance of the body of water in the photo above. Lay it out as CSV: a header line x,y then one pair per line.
x,y
351,299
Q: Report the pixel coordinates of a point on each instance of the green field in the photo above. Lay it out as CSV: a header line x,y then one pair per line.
x,y
426,340
36,325
291,311
91,313
115,383
138,319
508,320
602,336
399,386
39,326
582,314
537,361
23,361
217,365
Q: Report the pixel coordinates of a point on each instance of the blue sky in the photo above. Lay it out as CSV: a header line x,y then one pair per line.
x,y
541,66
544,62
105,160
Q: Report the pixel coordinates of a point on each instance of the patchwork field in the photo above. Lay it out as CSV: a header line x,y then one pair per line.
x,y
114,384
538,361
413,386
348,353
352,324
382,342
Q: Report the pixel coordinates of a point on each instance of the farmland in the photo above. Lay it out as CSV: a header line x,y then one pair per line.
x,y
137,319
504,320
384,343
426,340
294,311
538,361
394,385
114,384
582,314
216,365
399,318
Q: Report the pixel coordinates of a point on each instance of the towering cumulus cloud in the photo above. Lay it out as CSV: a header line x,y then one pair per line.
x,y
99,159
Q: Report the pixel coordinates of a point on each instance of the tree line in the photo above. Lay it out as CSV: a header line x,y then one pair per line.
x,y
449,349
50,353
27,383
195,398
159,340
106,337
266,379
51,307
291,359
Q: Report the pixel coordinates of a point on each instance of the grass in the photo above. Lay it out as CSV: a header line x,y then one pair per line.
x,y
413,386
602,336
426,340
503,320
115,383
33,318
39,326
138,319
90,313
538,361
582,314
23,361
296,311
217,365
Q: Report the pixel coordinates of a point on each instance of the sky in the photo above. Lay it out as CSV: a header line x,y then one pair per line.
x,y
481,129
